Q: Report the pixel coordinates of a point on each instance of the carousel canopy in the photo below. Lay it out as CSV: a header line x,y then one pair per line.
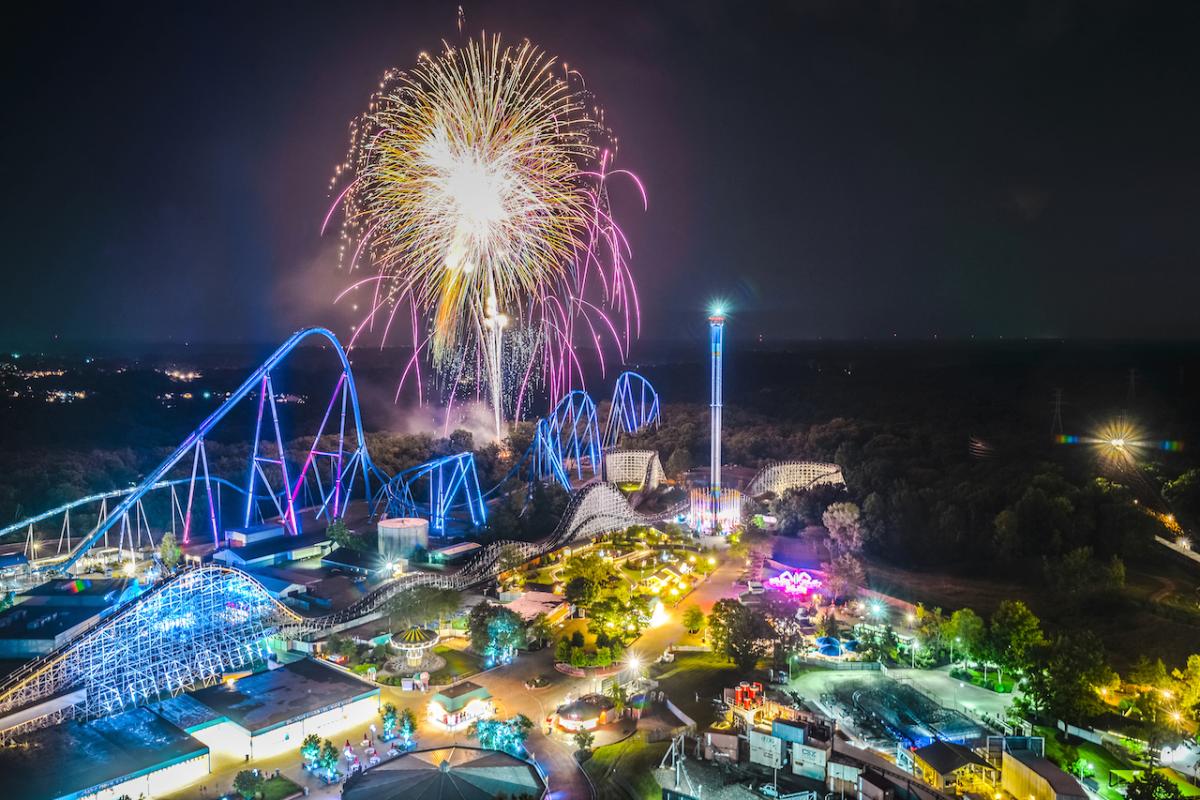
x,y
415,637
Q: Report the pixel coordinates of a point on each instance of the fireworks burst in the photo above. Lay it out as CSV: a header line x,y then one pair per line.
x,y
476,194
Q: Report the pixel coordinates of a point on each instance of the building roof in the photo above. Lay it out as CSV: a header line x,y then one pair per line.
x,y
456,697
416,636
105,588
947,757
28,621
530,604
72,758
1060,782
266,700
451,773
455,550
274,546
369,560
259,528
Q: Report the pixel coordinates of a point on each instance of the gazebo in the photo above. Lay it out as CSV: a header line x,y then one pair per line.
x,y
415,644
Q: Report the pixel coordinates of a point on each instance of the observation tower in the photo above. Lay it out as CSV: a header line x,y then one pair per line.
x,y
713,508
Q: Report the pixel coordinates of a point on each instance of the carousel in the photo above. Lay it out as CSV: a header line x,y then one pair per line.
x,y
415,646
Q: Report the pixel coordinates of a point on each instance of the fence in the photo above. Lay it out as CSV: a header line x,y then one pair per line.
x,y
862,666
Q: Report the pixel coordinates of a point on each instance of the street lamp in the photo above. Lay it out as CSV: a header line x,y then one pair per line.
x,y
952,641
877,609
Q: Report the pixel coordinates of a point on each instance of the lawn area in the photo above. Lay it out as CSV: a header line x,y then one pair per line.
x,y
1103,760
975,677
279,788
634,759
459,663
1185,788
705,674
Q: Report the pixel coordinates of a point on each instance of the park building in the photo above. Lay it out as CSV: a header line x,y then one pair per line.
x,y
456,707
270,712
948,766
50,614
1029,776
268,546
136,753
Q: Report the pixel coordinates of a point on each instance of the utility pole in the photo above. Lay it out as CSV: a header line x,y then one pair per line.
x,y
1056,423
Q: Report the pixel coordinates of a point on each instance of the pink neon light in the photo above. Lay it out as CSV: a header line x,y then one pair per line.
x,y
794,583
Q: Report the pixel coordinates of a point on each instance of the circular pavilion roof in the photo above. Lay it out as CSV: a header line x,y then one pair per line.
x,y
415,637
466,773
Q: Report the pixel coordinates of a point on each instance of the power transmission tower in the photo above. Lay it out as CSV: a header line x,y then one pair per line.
x,y
1056,423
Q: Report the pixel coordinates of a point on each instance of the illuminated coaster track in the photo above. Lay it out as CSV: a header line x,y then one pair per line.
x,y
448,478
634,407
331,465
778,477
134,529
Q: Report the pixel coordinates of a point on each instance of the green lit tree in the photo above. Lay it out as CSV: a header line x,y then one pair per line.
x,y
408,726
693,619
310,749
327,761
389,721
508,735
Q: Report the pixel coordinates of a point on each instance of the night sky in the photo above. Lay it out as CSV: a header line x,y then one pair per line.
x,y
835,169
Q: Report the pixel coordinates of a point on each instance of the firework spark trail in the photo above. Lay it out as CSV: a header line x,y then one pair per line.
x,y
477,190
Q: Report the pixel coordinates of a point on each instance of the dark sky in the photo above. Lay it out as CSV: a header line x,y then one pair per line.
x,y
837,169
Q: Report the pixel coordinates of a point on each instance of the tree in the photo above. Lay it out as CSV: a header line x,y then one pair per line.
x,y
508,735
693,619
618,695
843,574
580,591
342,536
169,552
389,720
1015,632
327,761
496,632
679,462
584,740
1065,677
845,529
247,783
600,572
968,631
1152,785
540,630
508,562
407,725
562,651
739,633
310,749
